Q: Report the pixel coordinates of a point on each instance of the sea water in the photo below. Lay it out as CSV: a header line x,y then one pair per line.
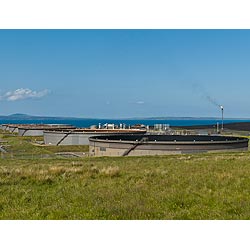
x,y
85,123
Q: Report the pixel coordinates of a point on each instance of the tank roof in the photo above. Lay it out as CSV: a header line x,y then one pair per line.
x,y
168,138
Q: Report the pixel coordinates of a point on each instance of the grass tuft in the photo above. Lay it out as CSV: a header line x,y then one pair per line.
x,y
111,172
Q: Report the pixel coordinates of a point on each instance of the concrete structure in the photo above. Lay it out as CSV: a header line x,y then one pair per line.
x,y
38,129
136,145
2,126
81,136
5,127
32,129
13,128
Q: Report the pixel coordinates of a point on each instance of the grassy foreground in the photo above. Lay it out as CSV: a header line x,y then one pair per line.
x,y
209,186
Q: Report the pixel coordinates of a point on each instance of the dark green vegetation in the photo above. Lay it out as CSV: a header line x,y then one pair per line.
x,y
208,186
28,147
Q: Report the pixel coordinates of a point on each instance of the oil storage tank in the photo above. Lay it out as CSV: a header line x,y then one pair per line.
x,y
13,128
38,129
136,145
81,136
5,127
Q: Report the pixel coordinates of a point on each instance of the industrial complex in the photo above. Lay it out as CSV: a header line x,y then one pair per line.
x,y
119,140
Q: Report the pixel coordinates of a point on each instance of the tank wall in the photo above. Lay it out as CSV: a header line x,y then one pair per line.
x,y
2,127
99,151
51,138
30,132
119,152
98,148
13,129
7,128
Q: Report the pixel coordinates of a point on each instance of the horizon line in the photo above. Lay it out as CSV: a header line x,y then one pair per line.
x,y
126,118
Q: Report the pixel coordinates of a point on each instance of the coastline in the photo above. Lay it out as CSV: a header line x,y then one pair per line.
x,y
241,126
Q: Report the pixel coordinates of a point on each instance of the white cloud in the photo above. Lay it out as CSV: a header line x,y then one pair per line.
x,y
140,102
21,94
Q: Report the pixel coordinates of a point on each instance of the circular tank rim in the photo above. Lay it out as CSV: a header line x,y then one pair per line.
x,y
94,131
227,140
40,126
37,128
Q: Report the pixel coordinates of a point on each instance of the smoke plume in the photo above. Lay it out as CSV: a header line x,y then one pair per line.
x,y
213,101
205,95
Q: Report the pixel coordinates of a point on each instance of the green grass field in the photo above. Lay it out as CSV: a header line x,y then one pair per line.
x,y
207,186
26,147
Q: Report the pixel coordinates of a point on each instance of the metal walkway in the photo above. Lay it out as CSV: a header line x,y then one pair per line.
x,y
134,146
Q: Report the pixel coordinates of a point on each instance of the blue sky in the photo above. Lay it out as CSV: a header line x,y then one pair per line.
x,y
125,73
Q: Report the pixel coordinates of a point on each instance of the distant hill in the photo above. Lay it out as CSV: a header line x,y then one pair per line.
x,y
30,117
21,116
